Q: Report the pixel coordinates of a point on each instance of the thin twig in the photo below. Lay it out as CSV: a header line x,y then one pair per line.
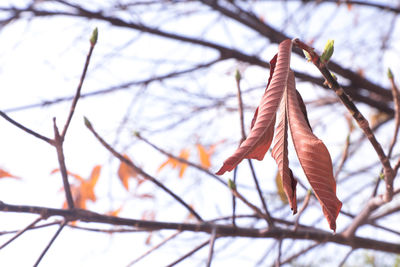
x,y
189,253
182,160
140,171
396,99
25,129
154,248
303,207
243,132
78,91
301,253
345,154
278,258
263,202
254,208
211,250
50,243
234,198
341,264
20,232
58,144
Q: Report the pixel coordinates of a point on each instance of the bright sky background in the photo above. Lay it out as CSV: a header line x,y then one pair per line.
x,y
43,59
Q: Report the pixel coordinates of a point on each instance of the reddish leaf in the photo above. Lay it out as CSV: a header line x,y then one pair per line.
x,y
314,158
4,174
280,154
260,137
303,108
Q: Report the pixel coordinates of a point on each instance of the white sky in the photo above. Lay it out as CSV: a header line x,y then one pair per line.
x,y
41,60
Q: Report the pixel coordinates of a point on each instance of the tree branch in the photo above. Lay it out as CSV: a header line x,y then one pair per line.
x,y
223,230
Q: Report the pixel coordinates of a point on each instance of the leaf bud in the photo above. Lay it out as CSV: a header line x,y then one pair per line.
x,y
231,184
390,74
328,51
93,38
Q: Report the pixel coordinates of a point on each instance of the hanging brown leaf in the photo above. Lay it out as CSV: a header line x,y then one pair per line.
x,y
261,134
280,154
312,153
314,158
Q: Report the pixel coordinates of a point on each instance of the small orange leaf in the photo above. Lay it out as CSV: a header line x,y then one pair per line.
x,y
184,154
115,212
205,155
84,190
125,172
170,161
148,239
5,174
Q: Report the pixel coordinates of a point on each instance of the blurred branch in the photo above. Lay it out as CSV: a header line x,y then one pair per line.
x,y
222,230
190,253
141,172
25,129
241,16
50,243
243,132
124,86
78,90
184,161
20,232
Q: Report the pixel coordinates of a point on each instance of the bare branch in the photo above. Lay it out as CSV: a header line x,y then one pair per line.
x,y
50,243
27,130
141,172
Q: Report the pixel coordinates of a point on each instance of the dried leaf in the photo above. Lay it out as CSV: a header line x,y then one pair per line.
x,y
184,154
261,134
84,190
303,108
87,187
280,154
115,212
125,172
205,155
314,158
279,187
5,174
